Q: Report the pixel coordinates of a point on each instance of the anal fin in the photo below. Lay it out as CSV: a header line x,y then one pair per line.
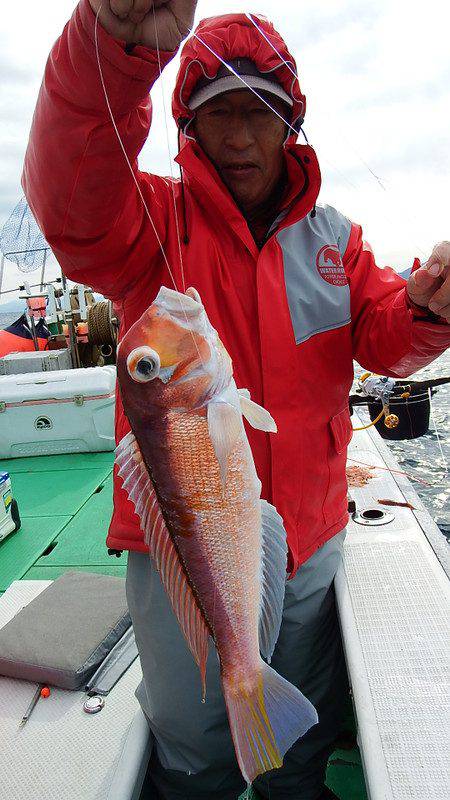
x,y
274,560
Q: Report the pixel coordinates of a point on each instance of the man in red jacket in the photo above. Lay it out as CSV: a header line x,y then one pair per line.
x,y
293,291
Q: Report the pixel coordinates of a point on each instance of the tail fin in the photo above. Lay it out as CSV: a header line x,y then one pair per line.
x,y
265,720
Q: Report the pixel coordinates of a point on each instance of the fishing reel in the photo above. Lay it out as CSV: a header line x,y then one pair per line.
x,y
398,409
381,388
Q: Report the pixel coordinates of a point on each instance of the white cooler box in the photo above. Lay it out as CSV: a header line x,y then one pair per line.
x,y
65,411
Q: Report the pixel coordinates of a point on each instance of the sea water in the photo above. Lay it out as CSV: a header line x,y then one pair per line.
x,y
417,457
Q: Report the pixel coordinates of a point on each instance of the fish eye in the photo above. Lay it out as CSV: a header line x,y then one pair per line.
x,y
146,366
143,364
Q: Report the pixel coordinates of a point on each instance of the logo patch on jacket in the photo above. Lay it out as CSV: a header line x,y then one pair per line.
x,y
329,265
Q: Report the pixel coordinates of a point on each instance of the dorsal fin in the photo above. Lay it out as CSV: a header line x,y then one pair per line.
x,y
137,484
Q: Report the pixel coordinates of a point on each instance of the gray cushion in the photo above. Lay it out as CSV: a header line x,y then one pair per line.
x,y
64,634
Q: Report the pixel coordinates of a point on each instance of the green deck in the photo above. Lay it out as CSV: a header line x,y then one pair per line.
x,y
65,504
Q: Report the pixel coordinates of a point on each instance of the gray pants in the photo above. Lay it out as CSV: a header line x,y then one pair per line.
x,y
194,755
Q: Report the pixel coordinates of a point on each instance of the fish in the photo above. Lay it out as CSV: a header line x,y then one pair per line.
x,y
219,548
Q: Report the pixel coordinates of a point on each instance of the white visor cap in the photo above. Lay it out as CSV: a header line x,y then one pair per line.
x,y
229,82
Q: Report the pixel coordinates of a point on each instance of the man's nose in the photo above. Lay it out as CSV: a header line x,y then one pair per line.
x,y
239,134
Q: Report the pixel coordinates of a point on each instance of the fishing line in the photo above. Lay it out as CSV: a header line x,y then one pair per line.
x,y
244,82
123,148
274,111
108,104
393,471
444,460
169,152
266,103
349,143
263,100
236,74
295,75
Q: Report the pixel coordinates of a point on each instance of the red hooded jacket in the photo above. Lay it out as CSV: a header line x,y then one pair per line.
x,y
292,315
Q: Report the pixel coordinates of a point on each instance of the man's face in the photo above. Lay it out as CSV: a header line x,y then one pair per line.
x,y
244,140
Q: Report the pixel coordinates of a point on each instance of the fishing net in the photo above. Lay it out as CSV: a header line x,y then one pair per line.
x,y
21,240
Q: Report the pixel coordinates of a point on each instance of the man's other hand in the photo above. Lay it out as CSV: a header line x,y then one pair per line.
x,y
429,286
133,21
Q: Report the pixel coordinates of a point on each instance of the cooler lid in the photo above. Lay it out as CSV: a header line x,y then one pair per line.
x,y
58,384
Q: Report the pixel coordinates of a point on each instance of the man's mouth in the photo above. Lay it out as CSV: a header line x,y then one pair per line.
x,y
240,170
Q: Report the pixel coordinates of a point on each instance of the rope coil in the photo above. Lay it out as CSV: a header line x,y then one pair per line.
x,y
101,329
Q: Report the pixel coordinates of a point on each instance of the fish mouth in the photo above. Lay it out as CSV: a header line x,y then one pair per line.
x,y
178,304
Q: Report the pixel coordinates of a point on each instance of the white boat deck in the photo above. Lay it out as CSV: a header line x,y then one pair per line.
x,y
393,598
62,753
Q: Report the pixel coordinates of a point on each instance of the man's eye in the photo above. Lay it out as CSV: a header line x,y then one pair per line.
x,y
217,112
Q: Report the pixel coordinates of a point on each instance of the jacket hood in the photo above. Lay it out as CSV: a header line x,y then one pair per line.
x,y
234,36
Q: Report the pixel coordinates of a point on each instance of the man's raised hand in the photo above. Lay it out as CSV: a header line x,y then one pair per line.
x,y
429,286
133,21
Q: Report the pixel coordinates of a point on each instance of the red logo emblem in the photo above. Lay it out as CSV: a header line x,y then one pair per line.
x,y
330,266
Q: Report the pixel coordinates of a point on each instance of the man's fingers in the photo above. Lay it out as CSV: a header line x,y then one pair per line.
x,y
440,258
423,278
423,288
152,23
139,10
434,267
184,11
430,284
422,285
441,298
443,312
121,8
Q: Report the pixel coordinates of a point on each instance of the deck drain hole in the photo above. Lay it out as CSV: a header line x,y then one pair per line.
x,y
372,513
49,549
373,516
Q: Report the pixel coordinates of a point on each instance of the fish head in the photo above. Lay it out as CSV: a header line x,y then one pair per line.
x,y
172,356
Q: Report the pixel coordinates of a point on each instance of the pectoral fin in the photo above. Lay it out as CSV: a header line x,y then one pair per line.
x,y
224,427
257,416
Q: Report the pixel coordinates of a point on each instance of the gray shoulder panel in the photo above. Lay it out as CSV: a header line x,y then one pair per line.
x,y
316,285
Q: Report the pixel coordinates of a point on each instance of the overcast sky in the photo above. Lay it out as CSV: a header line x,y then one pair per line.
x,y
376,75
